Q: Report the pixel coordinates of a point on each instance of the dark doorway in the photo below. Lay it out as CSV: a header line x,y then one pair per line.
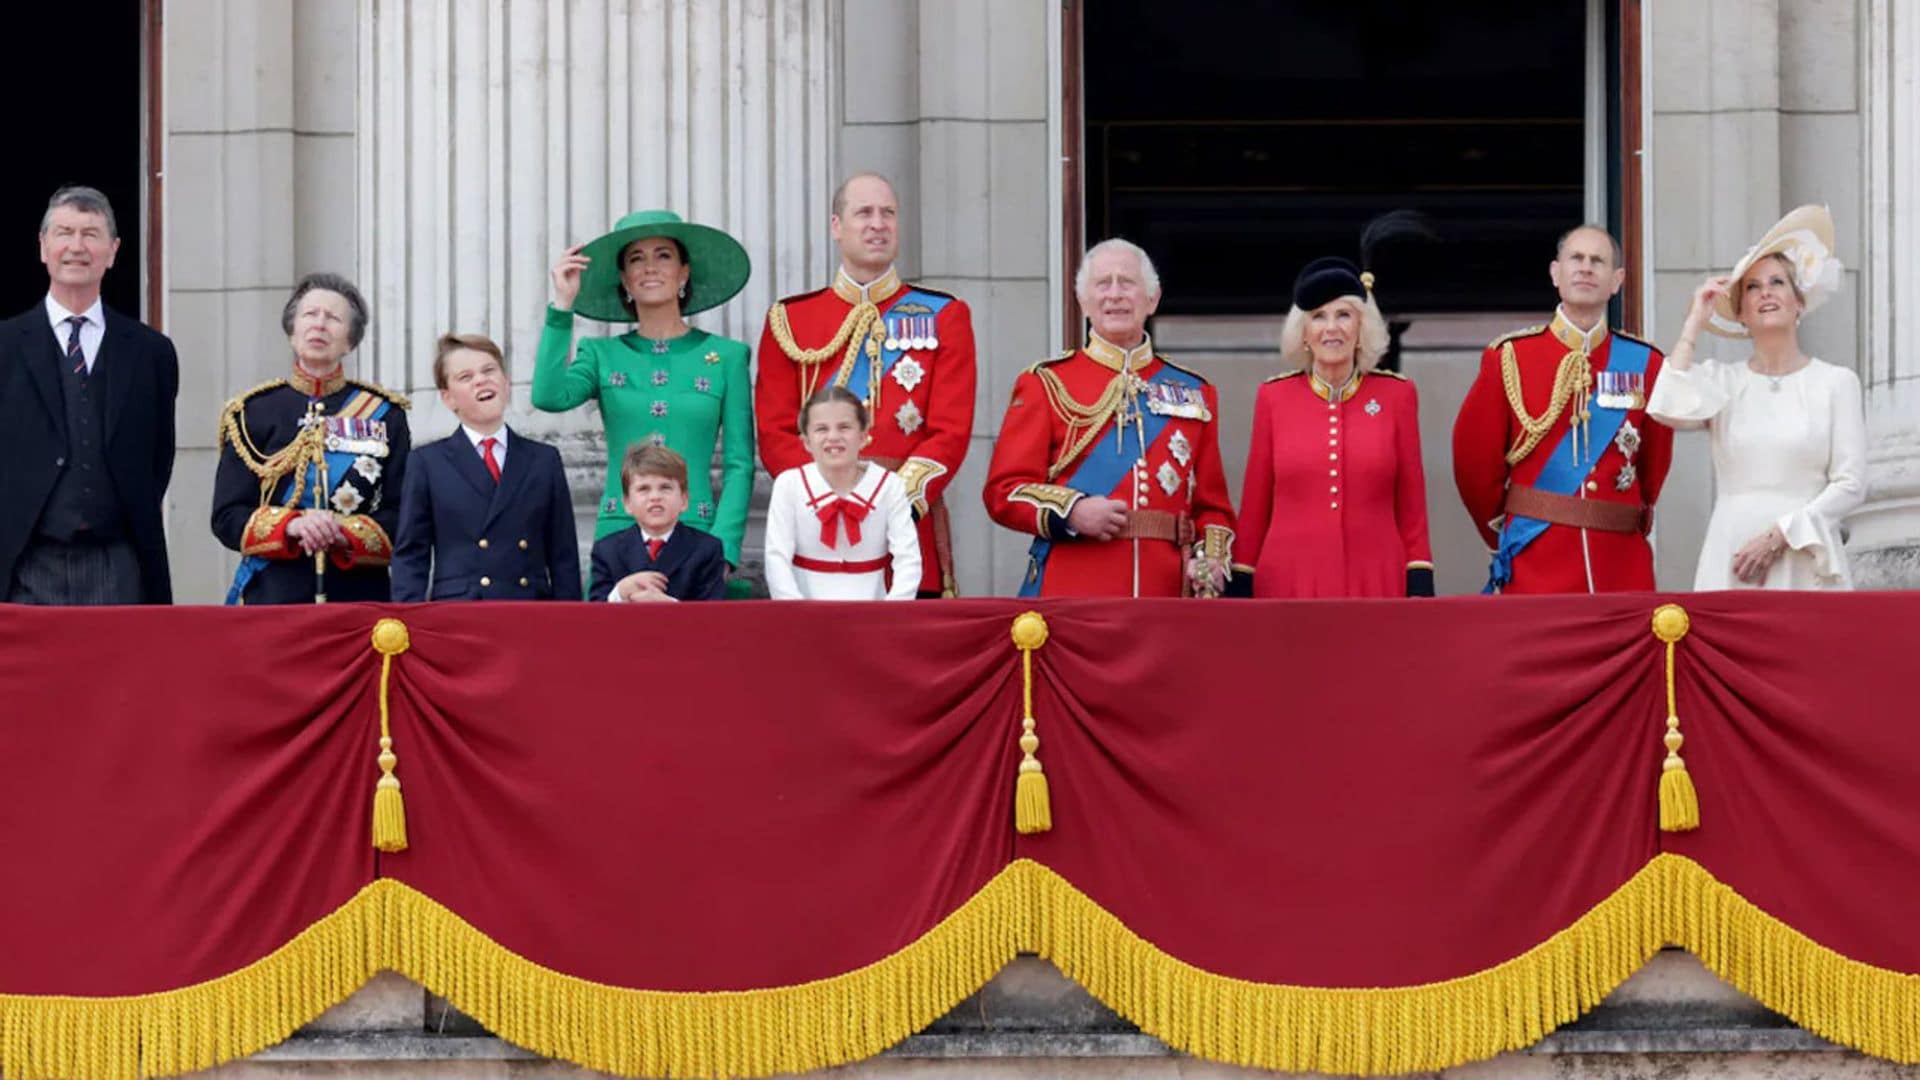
x,y
77,77
1237,139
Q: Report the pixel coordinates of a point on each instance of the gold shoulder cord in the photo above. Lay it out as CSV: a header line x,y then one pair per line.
x,y
294,457
1573,381
861,326
1083,421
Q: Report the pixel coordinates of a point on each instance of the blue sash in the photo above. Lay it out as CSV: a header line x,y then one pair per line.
x,y
1101,468
338,463
1563,473
919,304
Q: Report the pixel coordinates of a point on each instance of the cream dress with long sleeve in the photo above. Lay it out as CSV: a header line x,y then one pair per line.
x,y
1788,451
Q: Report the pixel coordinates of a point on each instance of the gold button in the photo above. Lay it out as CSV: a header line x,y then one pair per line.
x,y
1334,506
1333,472
1591,486
1333,457
1333,490
483,543
486,582
1333,442
523,583
523,545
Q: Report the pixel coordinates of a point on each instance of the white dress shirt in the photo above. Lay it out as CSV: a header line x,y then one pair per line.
x,y
499,445
94,329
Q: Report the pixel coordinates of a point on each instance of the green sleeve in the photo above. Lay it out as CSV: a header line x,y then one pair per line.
x,y
736,453
558,385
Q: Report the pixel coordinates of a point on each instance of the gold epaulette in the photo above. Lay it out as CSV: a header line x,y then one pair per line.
x,y
1187,370
1283,375
1517,335
375,388
1631,336
1034,368
1388,374
231,410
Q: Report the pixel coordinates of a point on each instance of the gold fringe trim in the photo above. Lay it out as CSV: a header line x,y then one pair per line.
x,y
1024,908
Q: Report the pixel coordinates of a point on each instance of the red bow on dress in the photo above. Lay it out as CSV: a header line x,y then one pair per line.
x,y
845,513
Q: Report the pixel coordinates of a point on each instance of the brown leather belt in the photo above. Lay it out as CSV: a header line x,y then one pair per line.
x,y
1580,513
1157,525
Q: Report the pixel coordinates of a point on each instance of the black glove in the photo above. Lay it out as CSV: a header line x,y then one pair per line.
x,y
1420,581
1239,586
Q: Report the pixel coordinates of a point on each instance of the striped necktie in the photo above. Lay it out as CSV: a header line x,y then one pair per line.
x,y
75,354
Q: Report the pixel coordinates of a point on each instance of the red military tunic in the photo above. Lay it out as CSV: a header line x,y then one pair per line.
x,y
1335,502
1490,429
1065,411
921,405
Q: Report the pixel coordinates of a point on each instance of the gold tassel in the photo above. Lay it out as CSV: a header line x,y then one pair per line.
x,y
1679,805
1032,806
389,812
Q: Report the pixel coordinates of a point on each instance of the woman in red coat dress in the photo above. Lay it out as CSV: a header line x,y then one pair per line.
x,y
1335,503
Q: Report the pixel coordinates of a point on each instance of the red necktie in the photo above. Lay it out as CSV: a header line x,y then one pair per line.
x,y
486,451
844,513
653,548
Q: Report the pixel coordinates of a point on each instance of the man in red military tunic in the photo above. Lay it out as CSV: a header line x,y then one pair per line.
x,y
1553,452
1110,456
905,349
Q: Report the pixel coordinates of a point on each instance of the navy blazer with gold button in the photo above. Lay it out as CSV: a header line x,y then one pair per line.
x,y
464,537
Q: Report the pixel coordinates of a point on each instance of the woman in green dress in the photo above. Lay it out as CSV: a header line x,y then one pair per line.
x,y
663,382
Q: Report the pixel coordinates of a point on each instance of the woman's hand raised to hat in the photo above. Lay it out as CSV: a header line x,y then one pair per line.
x,y
1681,355
566,277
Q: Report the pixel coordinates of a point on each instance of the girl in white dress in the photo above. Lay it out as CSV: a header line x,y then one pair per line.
x,y
837,527
1788,431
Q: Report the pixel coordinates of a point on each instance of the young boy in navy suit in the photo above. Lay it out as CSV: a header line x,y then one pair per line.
x,y
658,559
485,513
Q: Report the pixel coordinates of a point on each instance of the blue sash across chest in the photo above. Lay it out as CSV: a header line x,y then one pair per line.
x,y
1566,467
339,462
1101,468
915,303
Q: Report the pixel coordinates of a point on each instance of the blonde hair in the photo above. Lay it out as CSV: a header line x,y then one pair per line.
x,y
1368,347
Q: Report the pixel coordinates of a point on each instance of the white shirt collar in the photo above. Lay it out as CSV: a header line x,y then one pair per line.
x,y
58,314
663,537
499,441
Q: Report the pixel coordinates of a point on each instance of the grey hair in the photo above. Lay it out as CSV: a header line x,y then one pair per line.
x,y
84,199
1149,277
1368,347
356,304
1619,255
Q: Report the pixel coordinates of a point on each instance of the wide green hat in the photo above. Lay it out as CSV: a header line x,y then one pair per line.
x,y
718,265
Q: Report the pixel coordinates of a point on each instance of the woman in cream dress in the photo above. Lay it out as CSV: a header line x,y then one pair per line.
x,y
1787,430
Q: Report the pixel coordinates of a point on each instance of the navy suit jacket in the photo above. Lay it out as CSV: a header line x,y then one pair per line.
x,y
142,377
464,537
695,563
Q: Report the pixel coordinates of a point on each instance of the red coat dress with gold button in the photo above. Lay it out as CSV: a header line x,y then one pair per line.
x,y
1065,412
1489,430
1335,500
915,348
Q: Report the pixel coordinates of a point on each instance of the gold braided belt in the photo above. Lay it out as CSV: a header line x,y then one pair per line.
x,y
1572,383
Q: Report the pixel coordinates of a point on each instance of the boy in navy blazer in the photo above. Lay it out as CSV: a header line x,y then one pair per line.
x,y
485,514
658,558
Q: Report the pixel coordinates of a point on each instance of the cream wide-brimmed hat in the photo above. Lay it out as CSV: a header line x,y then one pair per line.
x,y
1805,237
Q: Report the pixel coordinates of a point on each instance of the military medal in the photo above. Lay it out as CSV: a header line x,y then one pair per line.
x,y
1373,407
908,417
346,498
1627,475
892,343
367,467
1179,447
908,373
1169,478
1620,389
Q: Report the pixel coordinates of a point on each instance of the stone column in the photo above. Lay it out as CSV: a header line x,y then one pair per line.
x,y
498,133
1885,545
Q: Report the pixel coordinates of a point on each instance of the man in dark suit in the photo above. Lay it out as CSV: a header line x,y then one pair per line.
x,y
86,428
656,559
485,514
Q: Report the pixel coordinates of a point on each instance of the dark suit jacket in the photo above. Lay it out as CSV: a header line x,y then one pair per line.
x,y
474,539
142,376
695,563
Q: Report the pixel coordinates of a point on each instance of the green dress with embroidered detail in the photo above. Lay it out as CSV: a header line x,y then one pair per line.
x,y
697,391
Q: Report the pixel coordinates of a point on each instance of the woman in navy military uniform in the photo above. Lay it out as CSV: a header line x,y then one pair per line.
x,y
311,465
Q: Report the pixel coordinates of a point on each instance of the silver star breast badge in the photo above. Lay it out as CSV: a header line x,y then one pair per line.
x,y
1628,440
1169,478
908,417
1373,407
1180,448
908,373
